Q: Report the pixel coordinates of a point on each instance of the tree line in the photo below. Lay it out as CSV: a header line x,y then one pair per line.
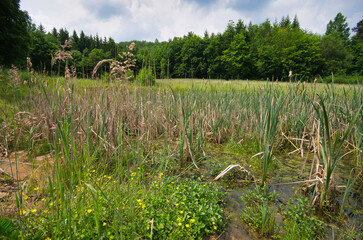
x,y
252,51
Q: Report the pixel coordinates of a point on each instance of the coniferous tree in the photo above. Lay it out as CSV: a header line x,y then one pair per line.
x,y
295,23
55,33
63,35
339,26
14,36
75,41
359,30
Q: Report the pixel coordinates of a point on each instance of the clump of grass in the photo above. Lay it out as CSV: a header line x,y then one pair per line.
x,y
259,212
331,148
300,222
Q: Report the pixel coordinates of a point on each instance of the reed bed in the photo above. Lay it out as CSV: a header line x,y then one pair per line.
x,y
113,144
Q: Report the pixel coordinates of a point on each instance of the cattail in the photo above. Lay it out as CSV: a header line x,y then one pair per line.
x,y
32,75
67,74
73,71
28,63
53,61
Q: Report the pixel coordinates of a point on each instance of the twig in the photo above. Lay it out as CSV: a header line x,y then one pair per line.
x,y
152,227
225,171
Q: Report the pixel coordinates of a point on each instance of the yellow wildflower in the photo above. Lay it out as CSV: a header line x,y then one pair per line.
x,y
33,210
104,224
138,200
176,204
26,198
36,189
89,210
215,228
51,204
43,199
192,220
48,238
181,212
22,212
187,225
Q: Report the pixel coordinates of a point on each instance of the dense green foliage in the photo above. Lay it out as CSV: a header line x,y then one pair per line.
x,y
268,50
185,209
14,36
146,77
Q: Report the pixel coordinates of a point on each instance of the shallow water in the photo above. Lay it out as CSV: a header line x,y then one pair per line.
x,y
285,169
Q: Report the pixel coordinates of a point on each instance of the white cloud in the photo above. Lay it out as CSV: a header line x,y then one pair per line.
x,y
164,19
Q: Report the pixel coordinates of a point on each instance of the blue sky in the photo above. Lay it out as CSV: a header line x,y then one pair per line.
x,y
126,20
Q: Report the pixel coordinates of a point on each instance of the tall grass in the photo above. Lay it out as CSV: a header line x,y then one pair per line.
x,y
110,143
331,146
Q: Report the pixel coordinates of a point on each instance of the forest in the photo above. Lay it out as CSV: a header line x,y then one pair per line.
x,y
243,51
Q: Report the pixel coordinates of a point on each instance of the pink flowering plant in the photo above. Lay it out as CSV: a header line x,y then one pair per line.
x,y
120,70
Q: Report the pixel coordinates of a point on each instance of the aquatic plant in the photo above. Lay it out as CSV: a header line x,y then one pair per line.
x,y
331,147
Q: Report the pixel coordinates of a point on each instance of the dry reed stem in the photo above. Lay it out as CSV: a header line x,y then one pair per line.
x,y
230,167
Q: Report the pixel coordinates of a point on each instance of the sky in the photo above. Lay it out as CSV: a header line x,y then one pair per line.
x,y
126,20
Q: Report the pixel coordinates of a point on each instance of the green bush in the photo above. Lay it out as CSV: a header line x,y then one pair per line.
x,y
146,77
345,79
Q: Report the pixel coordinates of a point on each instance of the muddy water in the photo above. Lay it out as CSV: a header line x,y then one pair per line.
x,y
235,229
285,169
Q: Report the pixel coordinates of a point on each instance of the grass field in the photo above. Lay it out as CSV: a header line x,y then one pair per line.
x,y
128,162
